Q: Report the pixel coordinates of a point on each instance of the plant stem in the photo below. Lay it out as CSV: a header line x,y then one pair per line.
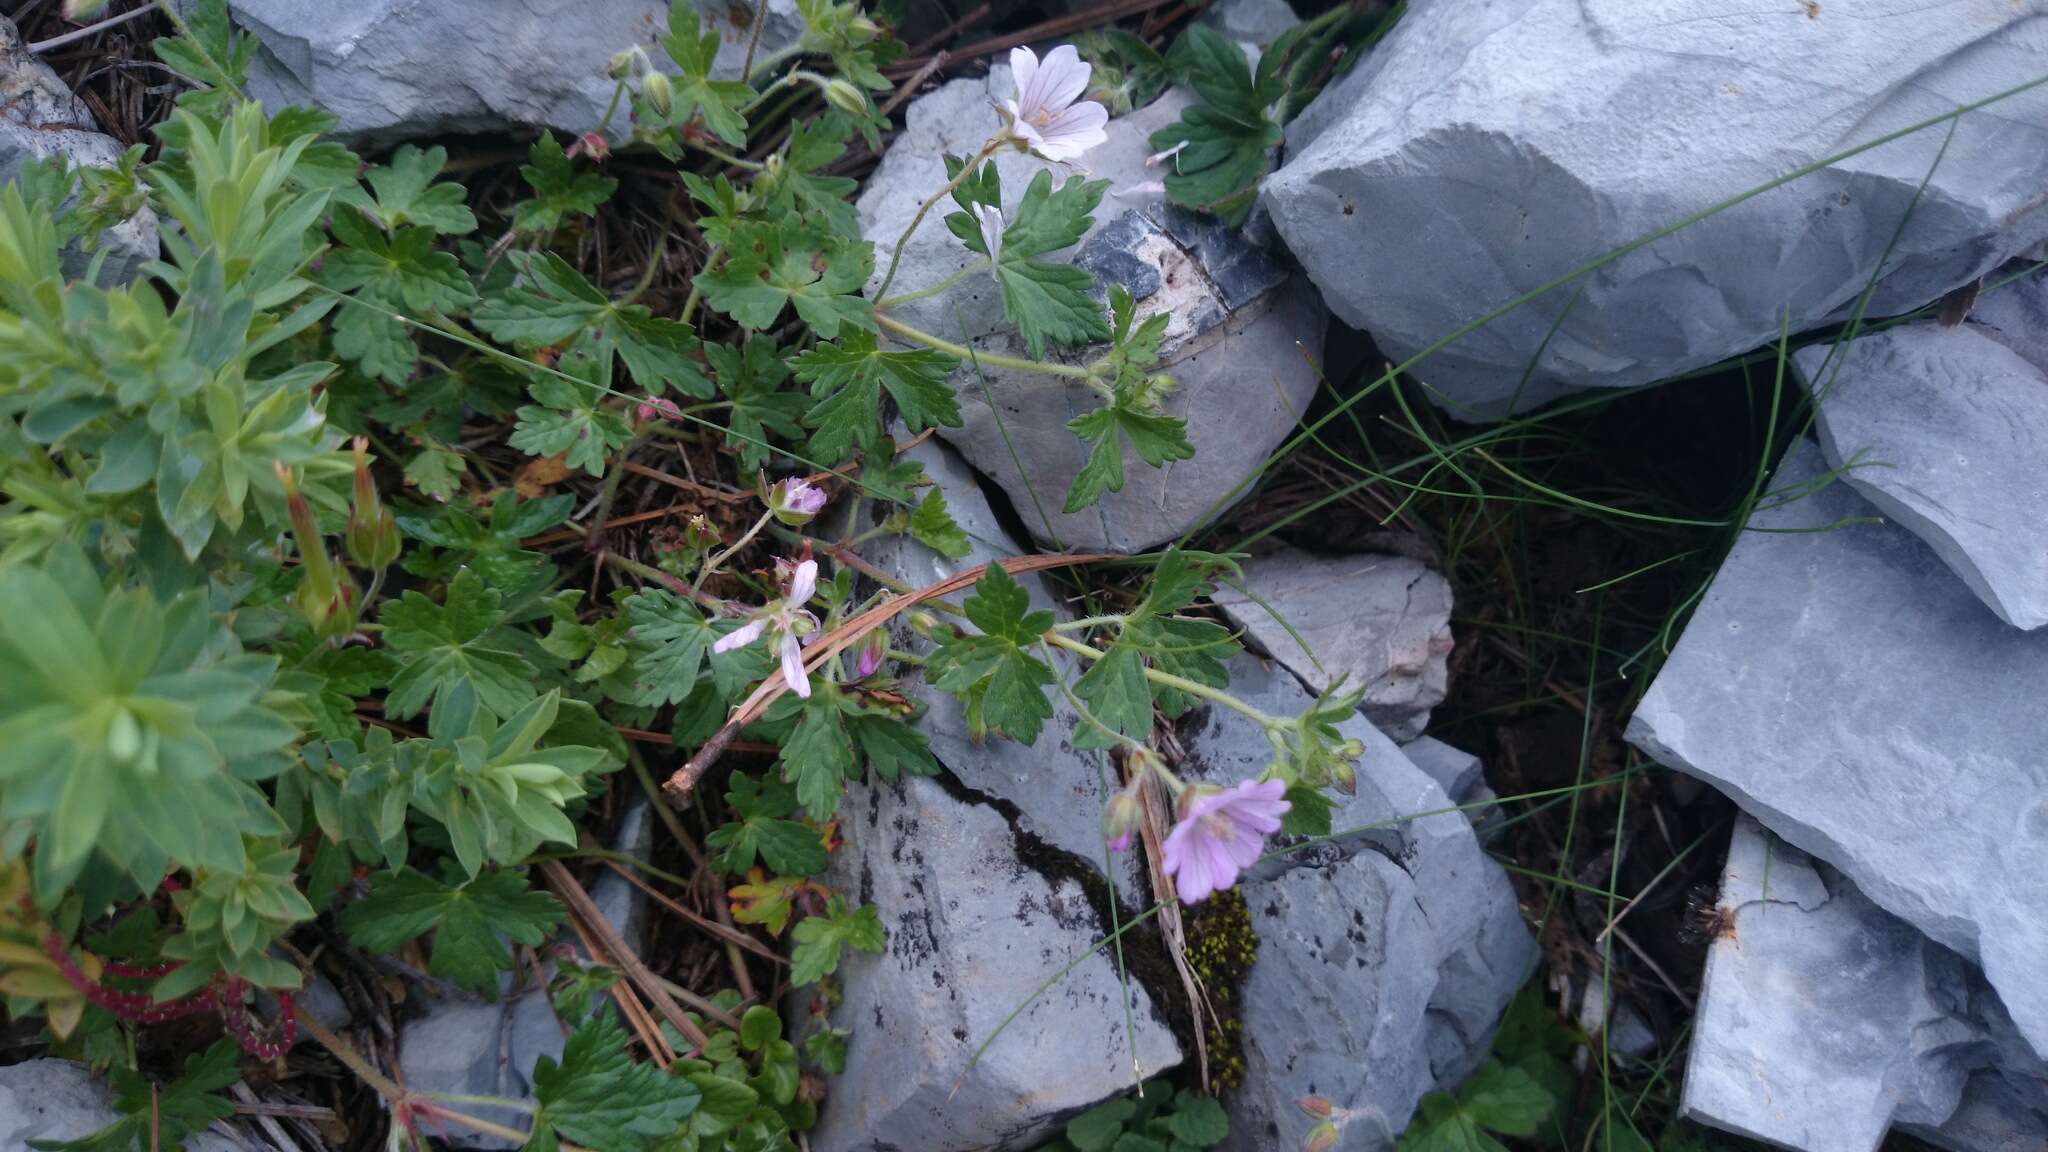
x,y
505,1102
696,293
711,565
772,59
722,154
1192,688
966,170
963,352
754,41
980,265
1087,622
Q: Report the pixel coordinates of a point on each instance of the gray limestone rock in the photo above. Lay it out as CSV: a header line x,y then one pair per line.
x,y
1240,343
1846,689
51,1099
40,118
1057,790
1824,1021
1475,156
475,1047
1462,777
1256,22
1947,432
395,69
1378,622
972,933
1386,954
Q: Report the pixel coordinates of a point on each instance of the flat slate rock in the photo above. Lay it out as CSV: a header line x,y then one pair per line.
x,y
400,69
973,931
1847,690
1386,954
1825,1021
1947,432
1483,150
51,1099
1382,623
1244,330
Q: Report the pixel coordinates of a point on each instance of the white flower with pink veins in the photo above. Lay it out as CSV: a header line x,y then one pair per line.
x,y
1048,116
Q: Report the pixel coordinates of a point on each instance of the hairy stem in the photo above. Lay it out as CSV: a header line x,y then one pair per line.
x,y
966,170
1192,688
711,565
963,352
981,265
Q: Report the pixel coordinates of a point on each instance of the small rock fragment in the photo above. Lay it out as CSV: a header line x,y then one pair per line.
x,y
1462,777
1847,690
51,1099
1946,431
40,118
1824,1021
1378,622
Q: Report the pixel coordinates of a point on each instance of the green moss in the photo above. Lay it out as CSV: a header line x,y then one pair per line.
x,y
1221,945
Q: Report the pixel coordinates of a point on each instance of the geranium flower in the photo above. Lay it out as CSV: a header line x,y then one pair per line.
x,y
1221,833
788,626
795,501
1048,116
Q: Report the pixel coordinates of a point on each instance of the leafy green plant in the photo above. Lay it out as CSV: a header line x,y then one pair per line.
x,y
1154,1119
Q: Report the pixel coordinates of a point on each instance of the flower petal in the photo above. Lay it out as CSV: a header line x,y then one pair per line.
x,y
740,637
1062,78
802,584
793,672
1023,70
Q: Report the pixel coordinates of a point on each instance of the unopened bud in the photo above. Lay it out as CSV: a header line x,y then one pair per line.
x,y
923,623
869,660
795,501
655,87
846,96
325,597
371,540
1120,817
1321,1138
620,65
1316,1106
593,145
1345,777
658,408
863,28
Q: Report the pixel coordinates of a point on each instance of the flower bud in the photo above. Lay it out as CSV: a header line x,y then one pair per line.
x,y
844,95
923,623
1321,1138
620,65
1121,816
593,145
325,597
658,408
655,87
795,501
1345,777
869,660
1316,1106
863,28
371,540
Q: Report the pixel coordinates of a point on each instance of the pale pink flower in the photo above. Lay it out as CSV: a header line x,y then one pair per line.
x,y
1048,116
795,501
1221,833
788,626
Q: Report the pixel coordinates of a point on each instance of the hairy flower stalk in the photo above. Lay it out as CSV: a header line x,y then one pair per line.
x,y
326,597
372,539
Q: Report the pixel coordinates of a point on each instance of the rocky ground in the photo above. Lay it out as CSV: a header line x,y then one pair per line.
x,y
1697,593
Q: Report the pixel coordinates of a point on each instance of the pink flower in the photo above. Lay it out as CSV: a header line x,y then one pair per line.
x,y
1048,116
789,627
990,219
1221,833
795,501
660,408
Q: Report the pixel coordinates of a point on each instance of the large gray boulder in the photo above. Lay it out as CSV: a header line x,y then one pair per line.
x,y
1847,690
1381,623
1386,954
398,69
973,931
1946,430
1243,335
1824,1021
39,119
50,1099
1483,150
